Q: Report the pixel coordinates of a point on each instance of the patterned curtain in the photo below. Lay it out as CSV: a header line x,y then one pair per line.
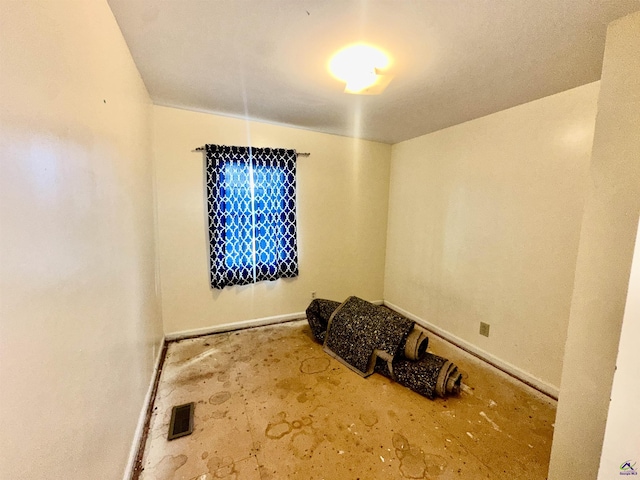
x,y
251,196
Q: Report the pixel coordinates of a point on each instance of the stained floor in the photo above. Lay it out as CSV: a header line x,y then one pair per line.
x,y
270,405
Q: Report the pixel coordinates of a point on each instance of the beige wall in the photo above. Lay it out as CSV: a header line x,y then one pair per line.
x,y
342,192
79,319
622,435
607,240
484,221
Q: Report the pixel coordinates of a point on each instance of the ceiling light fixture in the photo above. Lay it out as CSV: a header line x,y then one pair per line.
x,y
361,67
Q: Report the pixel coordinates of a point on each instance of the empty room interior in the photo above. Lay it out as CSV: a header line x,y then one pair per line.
x,y
221,204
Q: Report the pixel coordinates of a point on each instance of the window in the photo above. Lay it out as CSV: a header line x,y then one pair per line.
x,y
251,197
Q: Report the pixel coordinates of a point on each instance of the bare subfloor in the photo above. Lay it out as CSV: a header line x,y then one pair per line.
x,y
270,405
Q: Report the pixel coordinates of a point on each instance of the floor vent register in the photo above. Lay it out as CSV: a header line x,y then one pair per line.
x,y
181,421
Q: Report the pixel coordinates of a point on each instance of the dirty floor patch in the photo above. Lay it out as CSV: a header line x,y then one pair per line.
x,y
270,404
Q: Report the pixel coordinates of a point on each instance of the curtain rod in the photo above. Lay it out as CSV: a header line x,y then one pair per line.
x,y
299,154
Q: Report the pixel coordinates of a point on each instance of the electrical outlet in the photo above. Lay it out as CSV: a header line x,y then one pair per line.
x,y
313,295
484,329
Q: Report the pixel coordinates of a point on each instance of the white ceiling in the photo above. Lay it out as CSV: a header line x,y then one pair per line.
x,y
454,60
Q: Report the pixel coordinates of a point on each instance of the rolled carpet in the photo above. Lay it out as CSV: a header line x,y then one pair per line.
x,y
432,376
320,310
318,313
359,332
369,338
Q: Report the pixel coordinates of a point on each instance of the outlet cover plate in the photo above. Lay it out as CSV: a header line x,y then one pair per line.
x,y
484,329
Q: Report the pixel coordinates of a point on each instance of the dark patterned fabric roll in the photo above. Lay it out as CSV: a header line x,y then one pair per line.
x,y
360,331
432,376
318,313
369,338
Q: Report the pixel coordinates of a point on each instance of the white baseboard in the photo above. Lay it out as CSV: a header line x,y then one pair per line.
x,y
142,418
228,327
538,384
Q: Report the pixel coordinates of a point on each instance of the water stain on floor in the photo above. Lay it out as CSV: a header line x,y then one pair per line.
x,y
414,463
168,466
369,418
305,397
272,405
219,398
305,442
222,468
279,427
315,364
